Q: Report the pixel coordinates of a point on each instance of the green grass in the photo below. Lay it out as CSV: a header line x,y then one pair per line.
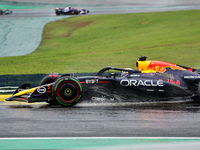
x,y
88,43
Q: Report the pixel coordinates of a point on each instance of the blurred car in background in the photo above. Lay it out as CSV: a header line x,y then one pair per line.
x,y
5,12
70,11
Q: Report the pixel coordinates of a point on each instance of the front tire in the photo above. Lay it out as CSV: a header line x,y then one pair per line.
x,y
67,91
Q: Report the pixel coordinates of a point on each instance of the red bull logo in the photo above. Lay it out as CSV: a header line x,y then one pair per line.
x,y
160,66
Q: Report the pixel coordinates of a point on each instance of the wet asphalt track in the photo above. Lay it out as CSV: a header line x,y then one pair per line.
x,y
102,120
99,120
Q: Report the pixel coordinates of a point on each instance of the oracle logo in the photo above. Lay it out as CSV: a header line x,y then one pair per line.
x,y
126,82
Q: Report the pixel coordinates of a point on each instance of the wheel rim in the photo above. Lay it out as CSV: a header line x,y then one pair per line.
x,y
68,91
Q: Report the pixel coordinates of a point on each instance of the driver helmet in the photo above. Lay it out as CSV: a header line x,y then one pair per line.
x,y
124,73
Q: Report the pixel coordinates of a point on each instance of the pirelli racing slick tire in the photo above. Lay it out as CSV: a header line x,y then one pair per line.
x,y
67,91
52,77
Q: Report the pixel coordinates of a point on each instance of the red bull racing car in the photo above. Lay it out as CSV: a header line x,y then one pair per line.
x,y
153,81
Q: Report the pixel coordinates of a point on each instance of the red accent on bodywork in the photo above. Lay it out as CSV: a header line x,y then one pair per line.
x,y
104,81
190,69
20,99
177,82
49,88
53,76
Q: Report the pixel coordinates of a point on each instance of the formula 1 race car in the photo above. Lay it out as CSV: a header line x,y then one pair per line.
x,y
70,11
153,81
6,12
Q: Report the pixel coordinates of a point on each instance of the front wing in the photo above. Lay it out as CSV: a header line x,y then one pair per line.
x,y
30,95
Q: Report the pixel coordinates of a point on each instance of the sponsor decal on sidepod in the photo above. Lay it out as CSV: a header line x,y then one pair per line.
x,y
126,82
41,90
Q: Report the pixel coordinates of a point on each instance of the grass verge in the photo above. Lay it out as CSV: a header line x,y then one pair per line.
x,y
88,43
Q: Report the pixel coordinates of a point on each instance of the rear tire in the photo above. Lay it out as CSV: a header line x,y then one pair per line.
x,y
67,91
